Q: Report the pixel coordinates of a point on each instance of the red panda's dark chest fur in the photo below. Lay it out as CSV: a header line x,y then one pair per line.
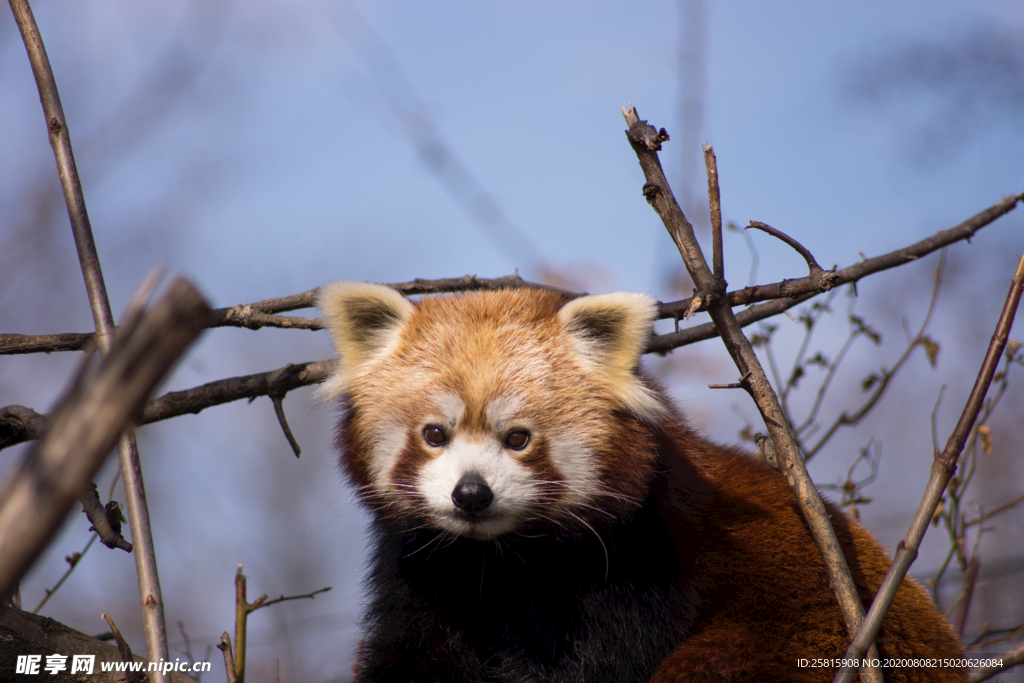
x,y
603,604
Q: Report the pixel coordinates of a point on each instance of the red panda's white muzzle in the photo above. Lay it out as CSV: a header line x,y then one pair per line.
x,y
474,489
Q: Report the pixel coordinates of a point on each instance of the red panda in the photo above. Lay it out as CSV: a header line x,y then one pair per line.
x,y
542,512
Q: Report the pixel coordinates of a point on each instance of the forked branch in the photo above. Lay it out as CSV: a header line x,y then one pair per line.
x,y
943,467
659,195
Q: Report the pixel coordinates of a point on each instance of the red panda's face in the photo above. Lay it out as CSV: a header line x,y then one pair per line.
x,y
482,414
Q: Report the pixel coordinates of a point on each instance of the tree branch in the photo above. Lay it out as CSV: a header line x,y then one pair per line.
x,y
38,493
1010,659
782,295
15,430
19,424
801,289
263,313
104,522
943,468
715,207
659,195
131,469
22,632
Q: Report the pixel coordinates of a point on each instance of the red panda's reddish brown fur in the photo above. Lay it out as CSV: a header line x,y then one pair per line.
x,y
542,512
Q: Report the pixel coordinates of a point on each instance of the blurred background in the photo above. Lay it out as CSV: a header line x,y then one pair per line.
x,y
264,148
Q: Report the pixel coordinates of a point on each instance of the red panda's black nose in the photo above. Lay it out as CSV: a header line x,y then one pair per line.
x,y
472,494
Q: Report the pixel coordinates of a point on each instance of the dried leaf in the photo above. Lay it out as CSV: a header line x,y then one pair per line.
x,y
757,340
931,348
865,329
746,434
986,438
818,359
937,515
869,381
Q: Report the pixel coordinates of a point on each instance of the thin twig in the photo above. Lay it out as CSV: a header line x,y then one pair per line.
x,y
263,313
241,623
72,561
282,419
992,513
242,610
970,578
812,264
195,400
767,449
882,384
229,660
659,195
715,208
1010,659
798,290
122,644
263,602
103,520
942,470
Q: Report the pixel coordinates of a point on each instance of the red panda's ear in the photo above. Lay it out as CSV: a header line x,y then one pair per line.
x,y
363,319
609,332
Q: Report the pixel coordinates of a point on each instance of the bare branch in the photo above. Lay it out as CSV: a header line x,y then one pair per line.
x,y
72,561
38,493
801,289
263,313
942,470
263,602
282,380
715,206
122,645
241,624
18,424
60,140
229,660
14,429
812,264
45,343
22,632
882,382
105,520
970,579
782,296
131,469
1010,659
242,610
282,420
989,515
659,195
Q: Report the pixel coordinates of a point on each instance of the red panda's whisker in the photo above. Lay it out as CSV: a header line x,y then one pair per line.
x,y
436,538
607,560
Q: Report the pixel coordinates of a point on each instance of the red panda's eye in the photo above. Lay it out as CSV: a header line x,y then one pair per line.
x,y
517,440
434,435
